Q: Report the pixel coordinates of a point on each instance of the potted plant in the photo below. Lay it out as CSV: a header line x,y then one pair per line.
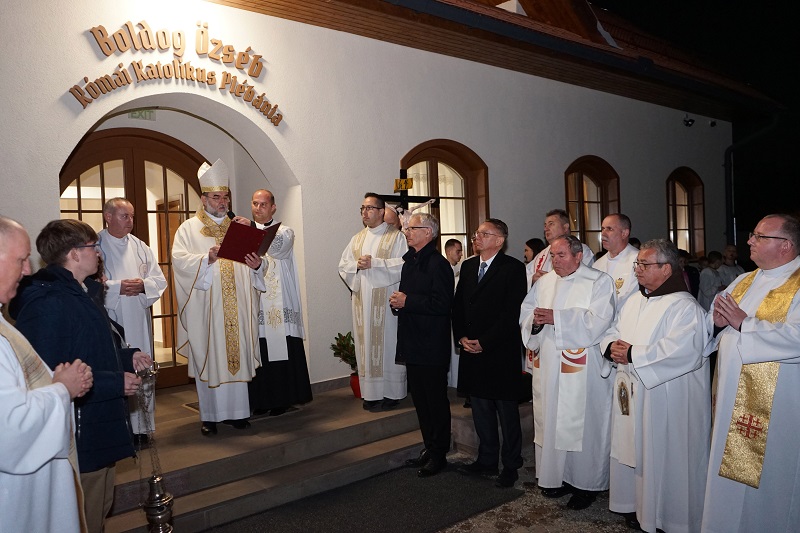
x,y
344,348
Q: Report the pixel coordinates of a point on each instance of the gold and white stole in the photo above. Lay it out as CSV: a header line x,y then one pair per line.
x,y
37,376
377,312
743,457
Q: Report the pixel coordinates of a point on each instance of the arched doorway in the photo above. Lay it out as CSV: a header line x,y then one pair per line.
x,y
157,173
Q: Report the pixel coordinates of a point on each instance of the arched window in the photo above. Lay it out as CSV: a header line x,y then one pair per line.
x,y
459,178
158,175
686,211
592,194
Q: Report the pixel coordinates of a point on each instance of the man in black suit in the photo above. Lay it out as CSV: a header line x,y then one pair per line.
x,y
422,304
486,308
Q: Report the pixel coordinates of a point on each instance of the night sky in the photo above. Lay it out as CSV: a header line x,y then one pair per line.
x,y
755,42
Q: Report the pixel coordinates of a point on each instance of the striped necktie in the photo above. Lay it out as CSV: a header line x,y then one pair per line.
x,y
482,271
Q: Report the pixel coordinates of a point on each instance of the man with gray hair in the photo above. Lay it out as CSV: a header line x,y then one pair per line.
x,y
134,282
662,399
422,304
563,318
556,225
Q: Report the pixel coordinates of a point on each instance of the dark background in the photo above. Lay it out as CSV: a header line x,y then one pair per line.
x,y
755,42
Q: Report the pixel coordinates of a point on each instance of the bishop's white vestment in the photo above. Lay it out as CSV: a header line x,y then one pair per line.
x,y
374,325
662,411
37,482
731,506
571,396
130,258
217,318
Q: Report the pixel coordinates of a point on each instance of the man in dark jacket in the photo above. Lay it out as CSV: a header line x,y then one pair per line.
x,y
422,305
486,307
57,310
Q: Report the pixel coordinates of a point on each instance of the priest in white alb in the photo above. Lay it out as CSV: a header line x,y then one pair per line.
x,y
217,307
754,469
370,267
556,225
662,400
563,318
134,282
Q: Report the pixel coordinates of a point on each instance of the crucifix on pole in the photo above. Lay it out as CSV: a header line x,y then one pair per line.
x,y
402,186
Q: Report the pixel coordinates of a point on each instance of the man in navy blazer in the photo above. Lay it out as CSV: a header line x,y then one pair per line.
x,y
486,308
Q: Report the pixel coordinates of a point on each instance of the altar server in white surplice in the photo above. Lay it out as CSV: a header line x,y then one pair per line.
x,y
563,318
662,400
134,282
754,469
217,307
282,380
370,267
39,485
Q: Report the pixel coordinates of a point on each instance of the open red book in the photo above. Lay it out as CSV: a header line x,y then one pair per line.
x,y
241,240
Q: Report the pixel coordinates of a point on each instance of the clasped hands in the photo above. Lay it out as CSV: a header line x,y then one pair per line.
x,y
75,376
131,287
727,312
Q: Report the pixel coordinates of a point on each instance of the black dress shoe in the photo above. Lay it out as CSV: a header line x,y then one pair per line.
x,y
557,492
369,405
432,467
506,479
631,521
241,423
581,499
388,404
478,469
423,458
208,428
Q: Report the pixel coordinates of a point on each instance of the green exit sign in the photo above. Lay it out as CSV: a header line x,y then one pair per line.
x,y
143,114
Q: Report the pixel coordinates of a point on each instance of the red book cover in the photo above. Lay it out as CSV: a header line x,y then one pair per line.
x,y
241,240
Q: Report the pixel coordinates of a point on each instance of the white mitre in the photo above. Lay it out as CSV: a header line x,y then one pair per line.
x,y
214,177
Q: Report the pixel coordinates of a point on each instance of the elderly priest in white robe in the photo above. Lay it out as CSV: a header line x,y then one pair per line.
x,y
134,282
217,307
370,267
754,469
662,400
39,485
563,318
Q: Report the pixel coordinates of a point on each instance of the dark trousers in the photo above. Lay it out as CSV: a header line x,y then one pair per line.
x,y
428,388
485,414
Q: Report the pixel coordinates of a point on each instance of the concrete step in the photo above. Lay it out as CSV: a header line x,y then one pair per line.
x,y
231,501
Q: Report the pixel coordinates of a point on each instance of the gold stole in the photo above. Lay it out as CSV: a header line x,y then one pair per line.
x,y
746,444
228,280
36,377
378,310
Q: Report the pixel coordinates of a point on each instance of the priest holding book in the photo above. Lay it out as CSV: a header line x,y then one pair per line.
x,y
217,307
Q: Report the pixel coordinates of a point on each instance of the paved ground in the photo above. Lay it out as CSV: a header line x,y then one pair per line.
x,y
533,513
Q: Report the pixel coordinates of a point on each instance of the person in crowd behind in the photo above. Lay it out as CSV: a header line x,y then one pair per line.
x,y
618,262
454,251
217,326
282,380
422,304
691,276
562,319
134,282
39,486
57,310
662,399
391,217
636,243
754,469
485,312
370,266
532,249
729,270
710,280
556,225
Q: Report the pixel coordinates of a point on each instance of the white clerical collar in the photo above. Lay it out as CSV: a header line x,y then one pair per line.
x,y
380,228
789,267
218,220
